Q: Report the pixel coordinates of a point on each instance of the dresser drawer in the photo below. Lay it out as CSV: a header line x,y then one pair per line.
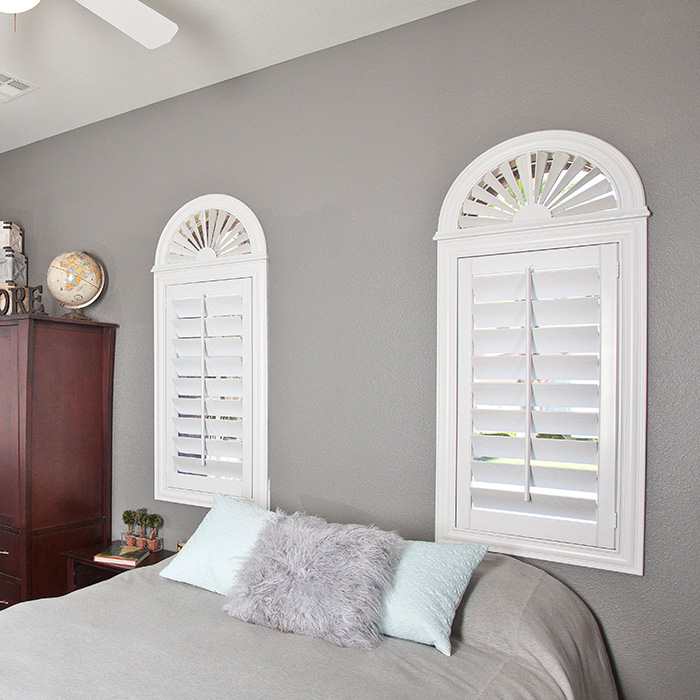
x,y
9,553
9,594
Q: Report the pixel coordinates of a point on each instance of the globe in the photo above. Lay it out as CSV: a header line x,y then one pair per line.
x,y
75,279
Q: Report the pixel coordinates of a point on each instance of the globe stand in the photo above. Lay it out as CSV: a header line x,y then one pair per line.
x,y
76,315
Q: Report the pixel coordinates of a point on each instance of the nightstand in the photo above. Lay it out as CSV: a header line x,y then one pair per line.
x,y
84,571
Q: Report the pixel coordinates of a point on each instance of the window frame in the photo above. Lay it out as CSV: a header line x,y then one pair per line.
x,y
625,227
250,265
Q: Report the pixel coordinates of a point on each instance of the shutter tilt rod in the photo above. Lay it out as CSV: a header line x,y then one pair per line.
x,y
202,381
528,380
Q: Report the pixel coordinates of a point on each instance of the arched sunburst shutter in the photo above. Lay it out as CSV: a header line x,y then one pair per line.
x,y
211,350
209,234
535,186
541,353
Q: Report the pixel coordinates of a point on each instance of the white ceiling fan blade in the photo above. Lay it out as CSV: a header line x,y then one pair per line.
x,y
135,19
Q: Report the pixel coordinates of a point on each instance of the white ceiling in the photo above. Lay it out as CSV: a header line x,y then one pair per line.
x,y
86,70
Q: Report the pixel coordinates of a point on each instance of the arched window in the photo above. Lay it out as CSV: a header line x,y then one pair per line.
x,y
542,353
210,319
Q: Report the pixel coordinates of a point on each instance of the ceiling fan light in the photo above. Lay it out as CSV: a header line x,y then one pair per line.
x,y
13,7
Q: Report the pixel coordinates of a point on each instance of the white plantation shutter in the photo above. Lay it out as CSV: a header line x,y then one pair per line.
x,y
541,362
210,312
210,385
537,337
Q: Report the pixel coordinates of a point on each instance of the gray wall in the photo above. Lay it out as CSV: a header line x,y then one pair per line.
x,y
345,156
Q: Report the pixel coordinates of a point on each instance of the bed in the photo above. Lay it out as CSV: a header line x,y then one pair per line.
x,y
519,634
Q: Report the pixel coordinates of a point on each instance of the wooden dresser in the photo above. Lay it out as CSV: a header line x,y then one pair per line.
x,y
55,448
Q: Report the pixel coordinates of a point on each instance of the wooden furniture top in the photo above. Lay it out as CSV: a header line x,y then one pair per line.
x,y
85,555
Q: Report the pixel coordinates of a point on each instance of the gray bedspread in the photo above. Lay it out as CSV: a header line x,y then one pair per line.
x,y
519,635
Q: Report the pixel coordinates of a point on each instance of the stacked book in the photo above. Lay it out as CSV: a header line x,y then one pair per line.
x,y
121,555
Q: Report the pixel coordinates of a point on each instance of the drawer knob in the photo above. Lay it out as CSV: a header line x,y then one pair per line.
x,y
3,602
3,552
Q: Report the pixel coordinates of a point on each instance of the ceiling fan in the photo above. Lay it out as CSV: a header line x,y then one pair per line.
x,y
140,22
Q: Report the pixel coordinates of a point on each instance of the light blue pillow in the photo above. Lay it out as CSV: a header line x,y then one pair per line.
x,y
429,583
212,557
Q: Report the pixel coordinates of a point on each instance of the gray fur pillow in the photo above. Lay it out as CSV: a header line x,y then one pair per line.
x,y
311,577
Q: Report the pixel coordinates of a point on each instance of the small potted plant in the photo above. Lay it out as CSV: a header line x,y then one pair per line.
x,y
154,522
129,518
142,519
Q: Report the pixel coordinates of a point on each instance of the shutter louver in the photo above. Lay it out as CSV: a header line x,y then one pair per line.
x,y
532,353
563,185
209,385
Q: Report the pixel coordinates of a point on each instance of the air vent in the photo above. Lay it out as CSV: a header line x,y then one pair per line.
x,y
11,87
